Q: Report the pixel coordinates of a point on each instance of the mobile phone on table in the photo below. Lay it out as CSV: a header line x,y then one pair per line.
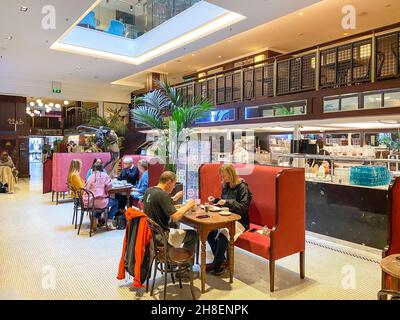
x,y
203,216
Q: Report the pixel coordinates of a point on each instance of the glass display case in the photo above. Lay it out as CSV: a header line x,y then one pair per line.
x,y
358,171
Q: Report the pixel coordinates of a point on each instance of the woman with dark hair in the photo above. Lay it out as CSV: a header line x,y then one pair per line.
x,y
89,173
99,183
236,196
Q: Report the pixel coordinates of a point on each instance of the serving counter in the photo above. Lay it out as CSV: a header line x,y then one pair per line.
x,y
354,213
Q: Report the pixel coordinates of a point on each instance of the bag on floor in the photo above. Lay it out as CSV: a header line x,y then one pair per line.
x,y
3,188
121,222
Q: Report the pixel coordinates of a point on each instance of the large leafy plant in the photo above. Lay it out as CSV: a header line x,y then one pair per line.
x,y
165,110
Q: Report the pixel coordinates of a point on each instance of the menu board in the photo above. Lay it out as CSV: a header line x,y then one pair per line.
x,y
191,155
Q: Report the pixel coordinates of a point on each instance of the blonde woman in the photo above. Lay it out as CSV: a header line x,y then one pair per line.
x,y
236,196
74,179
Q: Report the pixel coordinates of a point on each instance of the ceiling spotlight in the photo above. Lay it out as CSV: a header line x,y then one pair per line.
x,y
38,101
9,37
51,104
32,104
23,9
346,34
230,41
66,102
46,105
219,57
32,115
301,13
57,105
40,104
36,111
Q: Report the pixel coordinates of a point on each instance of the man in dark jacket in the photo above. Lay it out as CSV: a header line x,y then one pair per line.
x,y
130,173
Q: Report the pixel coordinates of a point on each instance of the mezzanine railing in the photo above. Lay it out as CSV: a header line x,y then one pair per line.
x,y
370,59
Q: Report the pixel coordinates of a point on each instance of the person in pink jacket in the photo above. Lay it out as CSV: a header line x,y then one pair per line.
x,y
99,183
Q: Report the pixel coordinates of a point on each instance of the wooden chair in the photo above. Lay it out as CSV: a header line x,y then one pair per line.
x,y
88,207
169,260
74,193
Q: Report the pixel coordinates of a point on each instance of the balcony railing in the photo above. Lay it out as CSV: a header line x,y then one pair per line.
x,y
370,59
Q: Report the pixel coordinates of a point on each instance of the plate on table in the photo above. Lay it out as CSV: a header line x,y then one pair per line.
x,y
225,213
214,209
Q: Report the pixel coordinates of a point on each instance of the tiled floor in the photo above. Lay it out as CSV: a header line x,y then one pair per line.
x,y
43,258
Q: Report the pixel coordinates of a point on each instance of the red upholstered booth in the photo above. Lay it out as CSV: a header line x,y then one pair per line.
x,y
60,167
393,240
278,202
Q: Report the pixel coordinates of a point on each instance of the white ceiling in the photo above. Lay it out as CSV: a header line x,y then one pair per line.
x,y
27,65
318,23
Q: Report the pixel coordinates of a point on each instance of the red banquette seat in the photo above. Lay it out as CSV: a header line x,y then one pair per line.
x,y
278,202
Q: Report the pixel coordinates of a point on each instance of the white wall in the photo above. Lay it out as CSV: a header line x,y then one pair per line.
x,y
78,92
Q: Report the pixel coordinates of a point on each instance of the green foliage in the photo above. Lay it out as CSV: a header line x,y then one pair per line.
x,y
391,141
115,121
164,109
282,111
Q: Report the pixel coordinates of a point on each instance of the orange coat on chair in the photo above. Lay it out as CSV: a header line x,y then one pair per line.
x,y
136,247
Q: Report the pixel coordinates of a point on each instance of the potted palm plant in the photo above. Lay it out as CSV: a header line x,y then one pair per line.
x,y
165,110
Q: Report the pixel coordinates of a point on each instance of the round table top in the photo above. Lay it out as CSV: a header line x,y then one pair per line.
x,y
391,265
215,217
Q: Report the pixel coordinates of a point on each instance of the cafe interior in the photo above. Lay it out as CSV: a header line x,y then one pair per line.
x,y
205,150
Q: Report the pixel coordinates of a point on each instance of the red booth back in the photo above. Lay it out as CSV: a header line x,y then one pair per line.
x,y
155,167
394,245
261,181
278,200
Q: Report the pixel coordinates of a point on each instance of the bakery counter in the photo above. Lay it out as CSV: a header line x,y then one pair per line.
x,y
353,213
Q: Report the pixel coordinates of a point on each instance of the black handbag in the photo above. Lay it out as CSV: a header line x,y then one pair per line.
x,y
3,188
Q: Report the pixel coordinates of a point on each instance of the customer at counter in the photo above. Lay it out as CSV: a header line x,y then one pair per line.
x,y
236,196
158,205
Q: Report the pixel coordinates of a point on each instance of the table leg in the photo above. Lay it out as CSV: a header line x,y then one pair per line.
x,y
231,251
203,266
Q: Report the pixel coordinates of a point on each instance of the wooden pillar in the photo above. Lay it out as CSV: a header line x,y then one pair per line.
x,y
153,80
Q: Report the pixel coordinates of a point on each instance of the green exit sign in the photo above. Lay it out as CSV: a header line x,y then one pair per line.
x,y
56,87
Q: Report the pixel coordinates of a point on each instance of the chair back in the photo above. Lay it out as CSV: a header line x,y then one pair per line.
x,y
116,27
86,199
160,240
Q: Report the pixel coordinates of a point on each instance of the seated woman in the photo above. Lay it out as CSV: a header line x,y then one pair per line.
x,y
6,171
99,183
88,174
236,196
74,180
143,184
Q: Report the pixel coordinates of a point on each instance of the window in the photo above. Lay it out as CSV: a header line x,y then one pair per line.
x,y
350,103
277,110
331,105
392,99
218,116
373,101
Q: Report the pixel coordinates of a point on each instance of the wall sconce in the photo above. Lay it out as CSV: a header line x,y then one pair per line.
x,y
15,122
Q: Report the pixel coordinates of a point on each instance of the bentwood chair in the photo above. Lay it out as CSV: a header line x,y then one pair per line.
x,y
169,260
75,196
86,204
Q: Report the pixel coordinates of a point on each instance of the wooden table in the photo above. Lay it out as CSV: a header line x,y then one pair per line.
x,y
391,265
126,189
204,227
